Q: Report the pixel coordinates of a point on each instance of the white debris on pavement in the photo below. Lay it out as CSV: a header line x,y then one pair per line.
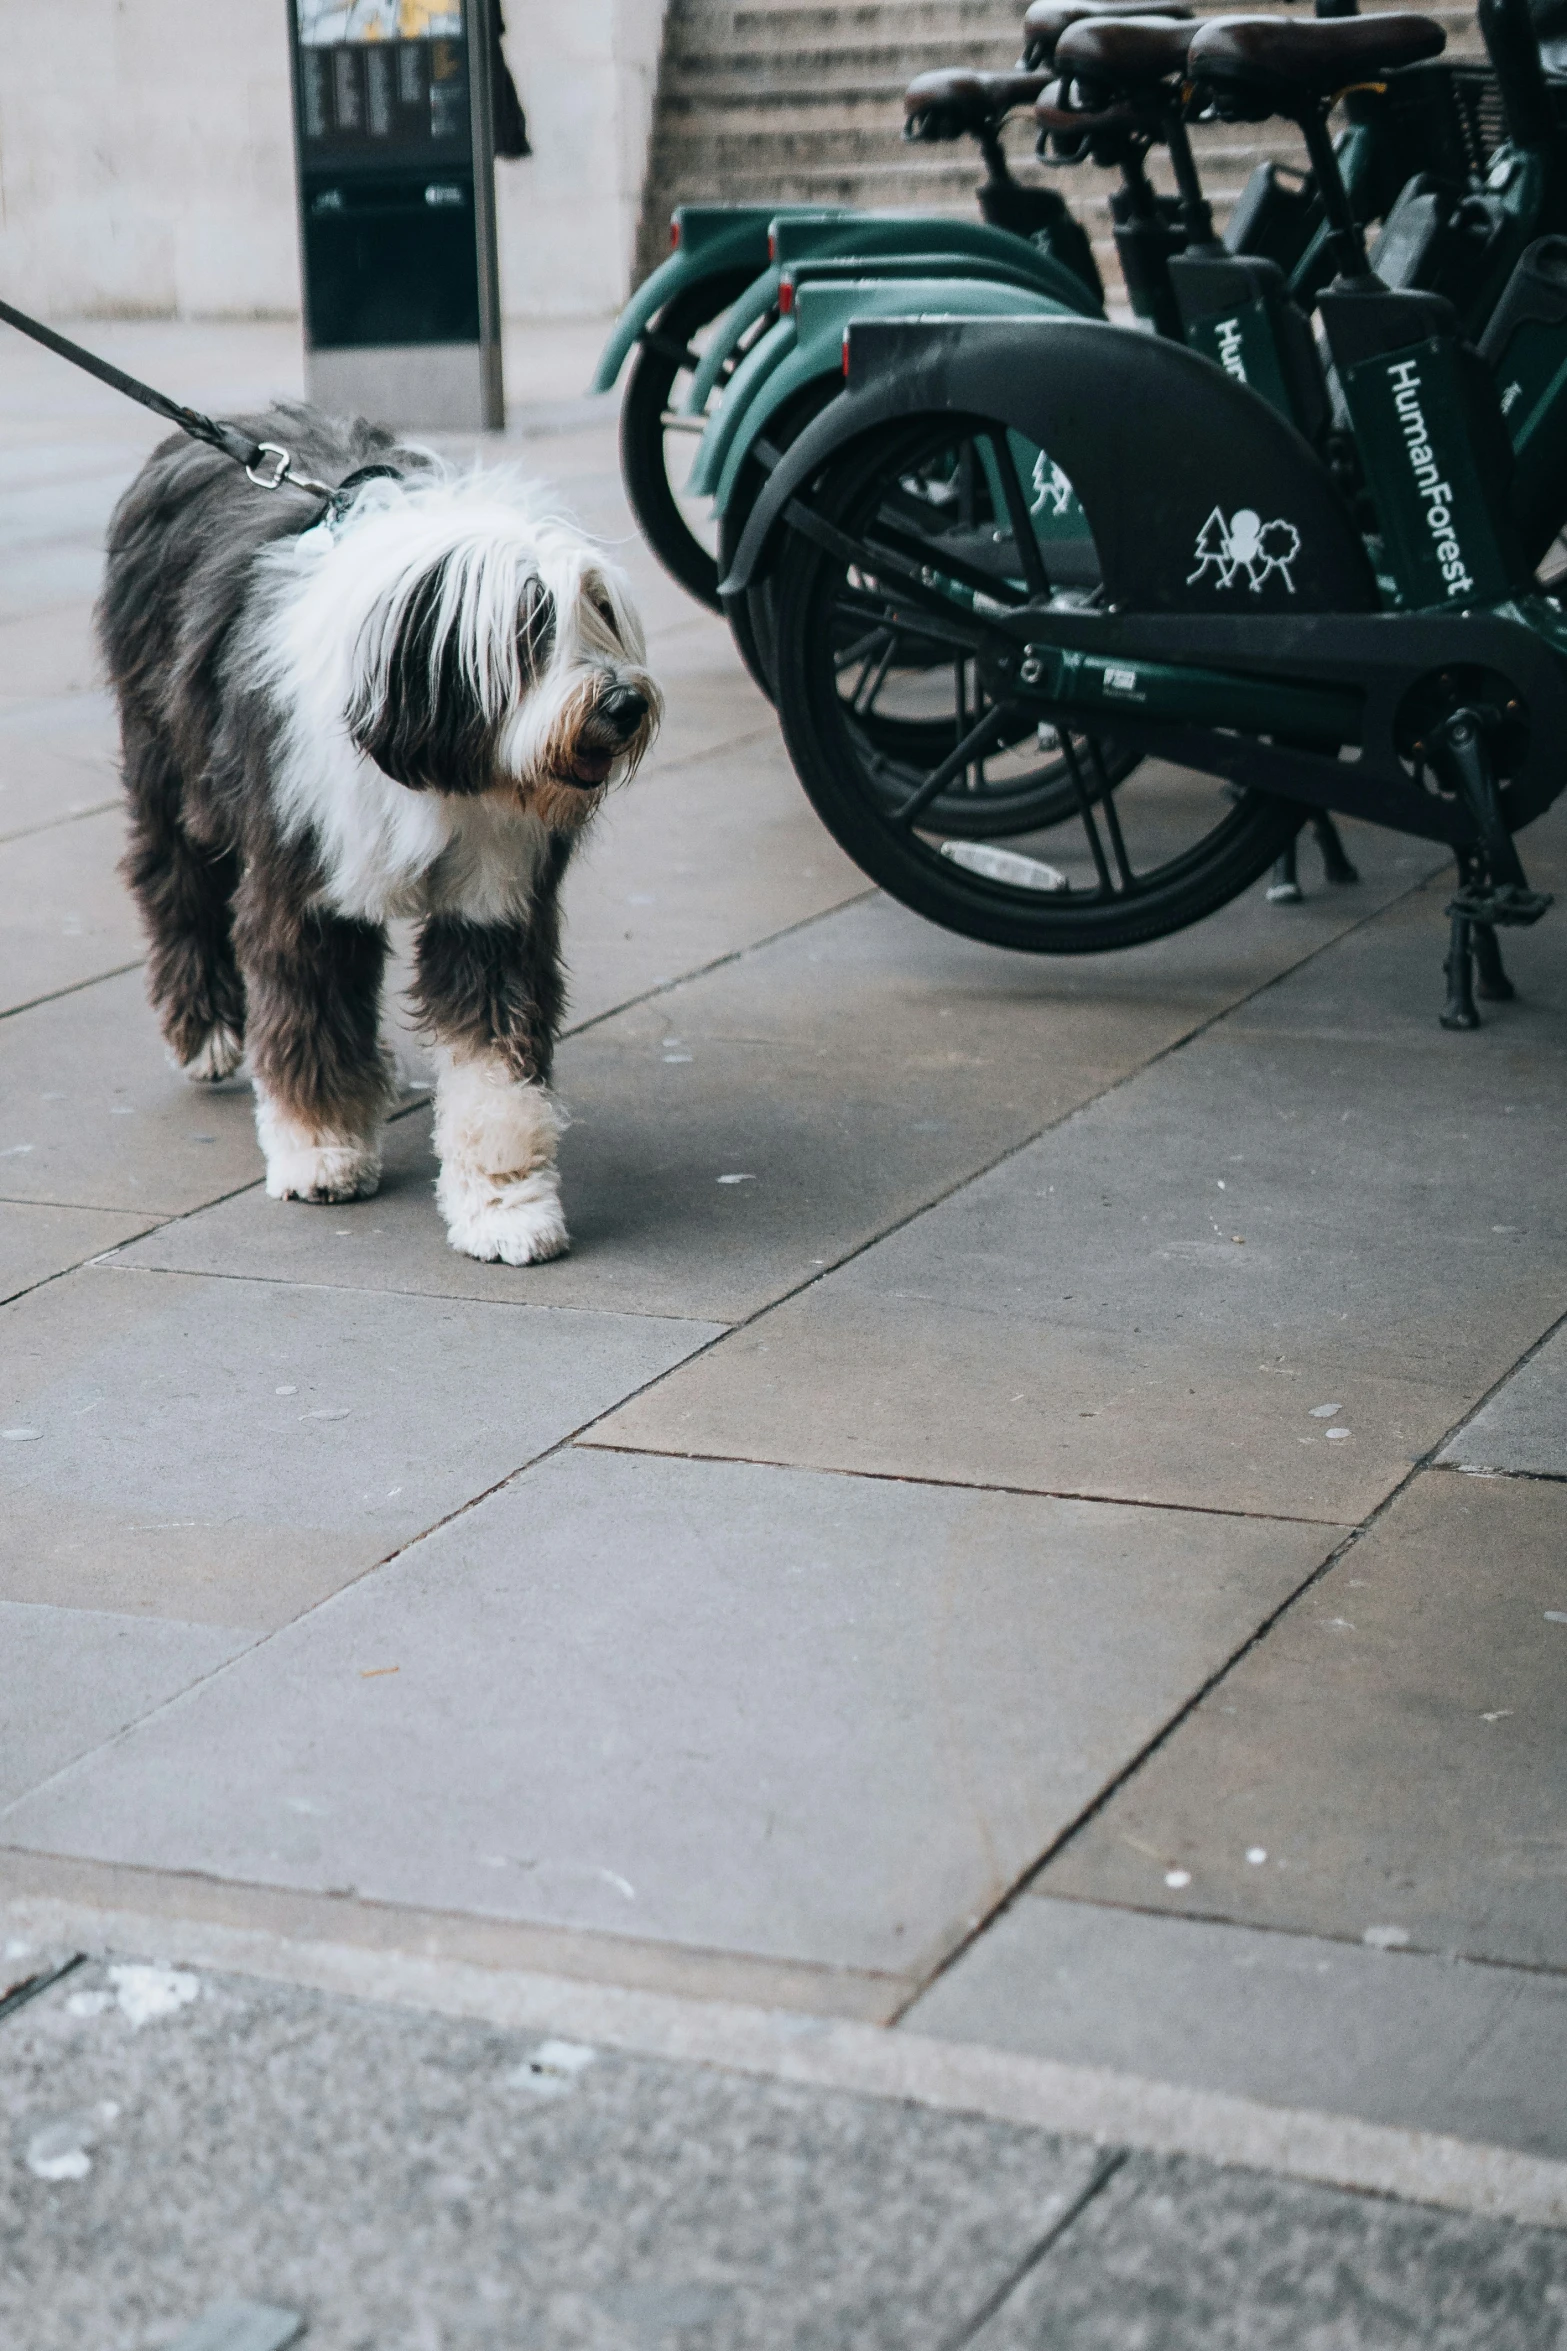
x,y
552,2070
60,2150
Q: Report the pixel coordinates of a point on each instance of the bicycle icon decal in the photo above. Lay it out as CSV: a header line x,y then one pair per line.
x,y
1245,547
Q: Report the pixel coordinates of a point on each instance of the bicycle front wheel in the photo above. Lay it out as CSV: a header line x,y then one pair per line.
x,y
898,746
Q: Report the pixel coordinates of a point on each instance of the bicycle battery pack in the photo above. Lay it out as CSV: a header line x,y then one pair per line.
x,y
1237,312
1275,216
1432,443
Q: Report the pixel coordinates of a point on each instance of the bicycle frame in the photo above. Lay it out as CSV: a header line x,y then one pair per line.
x,y
1271,698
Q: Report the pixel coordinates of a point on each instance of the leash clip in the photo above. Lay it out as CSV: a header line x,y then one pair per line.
x,y
278,474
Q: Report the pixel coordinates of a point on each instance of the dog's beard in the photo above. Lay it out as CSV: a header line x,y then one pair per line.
x,y
563,778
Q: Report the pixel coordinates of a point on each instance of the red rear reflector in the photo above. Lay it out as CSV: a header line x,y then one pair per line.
x,y
845,354
785,296
674,235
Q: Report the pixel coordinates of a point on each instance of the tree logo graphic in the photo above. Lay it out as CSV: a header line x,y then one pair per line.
x,y
1246,548
1053,492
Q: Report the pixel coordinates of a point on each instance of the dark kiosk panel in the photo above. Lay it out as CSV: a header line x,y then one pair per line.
x,y
392,109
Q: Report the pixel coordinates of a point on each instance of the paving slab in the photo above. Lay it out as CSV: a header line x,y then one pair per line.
x,y
71,1677
709,700
1393,1746
38,1242
65,915
48,653
1523,1428
749,1710
694,861
58,759
92,1116
1160,1298
466,2186
850,1072
227,1452
1177,2256
1396,2037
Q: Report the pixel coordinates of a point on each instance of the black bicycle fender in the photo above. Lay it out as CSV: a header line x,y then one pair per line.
x,y
1201,496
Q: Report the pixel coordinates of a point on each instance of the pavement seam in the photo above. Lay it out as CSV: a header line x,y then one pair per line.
x,y
1549,1971
75,988
1024,1884
893,1477
55,824
701,971
280,1281
1099,2179
1492,1392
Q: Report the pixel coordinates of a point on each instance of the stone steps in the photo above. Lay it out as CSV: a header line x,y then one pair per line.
x,y
773,101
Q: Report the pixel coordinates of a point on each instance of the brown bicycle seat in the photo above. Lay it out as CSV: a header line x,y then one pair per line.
x,y
1070,123
1125,53
1271,58
1046,20
945,104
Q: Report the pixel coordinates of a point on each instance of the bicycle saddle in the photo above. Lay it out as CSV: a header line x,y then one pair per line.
x,y
951,101
1284,64
1125,53
1063,121
1046,20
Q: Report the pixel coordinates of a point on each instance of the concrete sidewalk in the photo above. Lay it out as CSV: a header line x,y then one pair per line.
x,y
1008,1599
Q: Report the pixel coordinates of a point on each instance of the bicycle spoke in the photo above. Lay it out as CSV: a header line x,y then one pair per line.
x,y
862,649
956,760
864,696
1085,809
1112,816
1034,571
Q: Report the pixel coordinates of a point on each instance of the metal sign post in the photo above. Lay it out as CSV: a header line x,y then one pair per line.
x,y
394,131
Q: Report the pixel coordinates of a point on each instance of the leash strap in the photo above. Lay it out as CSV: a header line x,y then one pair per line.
x,y
266,464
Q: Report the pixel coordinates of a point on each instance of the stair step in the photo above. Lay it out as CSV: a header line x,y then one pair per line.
x,y
775,100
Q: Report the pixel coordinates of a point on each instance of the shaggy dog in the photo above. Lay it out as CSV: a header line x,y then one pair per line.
x,y
409,707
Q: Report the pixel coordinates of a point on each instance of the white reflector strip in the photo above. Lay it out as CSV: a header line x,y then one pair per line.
x,y
1004,865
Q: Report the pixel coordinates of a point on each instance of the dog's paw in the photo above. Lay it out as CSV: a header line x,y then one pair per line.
x,y
218,1057
324,1172
524,1225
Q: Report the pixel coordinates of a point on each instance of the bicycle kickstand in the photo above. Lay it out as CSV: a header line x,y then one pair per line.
x,y
1492,886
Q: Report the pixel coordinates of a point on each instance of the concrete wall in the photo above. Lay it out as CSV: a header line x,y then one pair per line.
x,y
146,157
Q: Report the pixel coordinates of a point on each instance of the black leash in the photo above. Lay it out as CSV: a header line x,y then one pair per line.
x,y
266,463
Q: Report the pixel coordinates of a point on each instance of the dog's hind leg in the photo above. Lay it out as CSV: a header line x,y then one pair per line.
x,y
313,991
185,891
491,996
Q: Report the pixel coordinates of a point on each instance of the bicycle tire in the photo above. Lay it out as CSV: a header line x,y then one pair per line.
x,y
821,744
644,467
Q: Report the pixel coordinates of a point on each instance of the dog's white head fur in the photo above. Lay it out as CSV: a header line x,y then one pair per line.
x,y
446,658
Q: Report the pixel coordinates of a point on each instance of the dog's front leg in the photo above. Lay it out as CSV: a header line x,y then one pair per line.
x,y
313,983
490,995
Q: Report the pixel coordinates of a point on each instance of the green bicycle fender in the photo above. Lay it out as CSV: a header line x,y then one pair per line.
x,y
822,313
714,239
755,303
874,233
822,234
744,386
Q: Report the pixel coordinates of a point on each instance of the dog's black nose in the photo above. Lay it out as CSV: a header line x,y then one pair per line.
x,y
624,709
